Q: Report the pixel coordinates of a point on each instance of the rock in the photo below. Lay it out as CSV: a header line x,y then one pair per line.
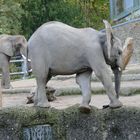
x,y
70,124
50,93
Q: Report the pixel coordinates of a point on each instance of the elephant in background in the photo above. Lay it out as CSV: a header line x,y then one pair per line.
x,y
59,49
10,45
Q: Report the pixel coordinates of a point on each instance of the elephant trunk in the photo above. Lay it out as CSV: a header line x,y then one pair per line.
x,y
24,53
117,76
126,55
23,49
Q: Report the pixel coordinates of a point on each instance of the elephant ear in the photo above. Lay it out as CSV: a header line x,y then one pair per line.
x,y
5,45
127,51
109,36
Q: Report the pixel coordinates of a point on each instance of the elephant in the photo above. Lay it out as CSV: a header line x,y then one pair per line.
x,y
10,45
56,48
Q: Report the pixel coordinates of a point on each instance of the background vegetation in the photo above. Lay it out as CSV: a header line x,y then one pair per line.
x,y
25,16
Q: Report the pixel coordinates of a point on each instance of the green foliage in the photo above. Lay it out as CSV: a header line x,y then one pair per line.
x,y
78,13
67,11
25,16
10,14
13,68
94,11
34,12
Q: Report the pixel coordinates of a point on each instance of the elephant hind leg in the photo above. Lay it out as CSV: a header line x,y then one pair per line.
x,y
40,98
83,80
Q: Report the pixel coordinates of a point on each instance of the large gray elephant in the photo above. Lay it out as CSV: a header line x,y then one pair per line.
x,y
10,45
58,49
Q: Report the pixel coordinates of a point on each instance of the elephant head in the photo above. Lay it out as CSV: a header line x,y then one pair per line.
x,y
116,54
12,44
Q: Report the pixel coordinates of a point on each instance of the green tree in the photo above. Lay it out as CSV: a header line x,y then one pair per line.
x,y
40,11
25,16
94,11
33,16
78,13
10,14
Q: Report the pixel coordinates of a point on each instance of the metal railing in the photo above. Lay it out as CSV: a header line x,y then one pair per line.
x,y
23,67
126,8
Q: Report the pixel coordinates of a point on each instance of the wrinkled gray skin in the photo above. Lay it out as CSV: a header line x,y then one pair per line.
x,y
58,49
10,45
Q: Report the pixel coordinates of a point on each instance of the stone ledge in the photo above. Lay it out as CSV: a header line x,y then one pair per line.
x,y
16,90
125,77
70,124
98,90
125,91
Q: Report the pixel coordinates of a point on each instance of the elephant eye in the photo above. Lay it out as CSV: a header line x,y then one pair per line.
x,y
119,52
19,45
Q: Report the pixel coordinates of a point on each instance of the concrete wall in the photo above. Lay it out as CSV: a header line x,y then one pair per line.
x,y
130,29
70,124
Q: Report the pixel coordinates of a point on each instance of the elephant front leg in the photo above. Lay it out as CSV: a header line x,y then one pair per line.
x,y
5,82
105,77
40,98
83,80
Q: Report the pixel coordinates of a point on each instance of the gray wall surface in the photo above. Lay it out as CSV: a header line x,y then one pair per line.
x,y
130,29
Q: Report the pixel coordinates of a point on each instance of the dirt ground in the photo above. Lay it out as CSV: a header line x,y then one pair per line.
x,y
62,102
10,100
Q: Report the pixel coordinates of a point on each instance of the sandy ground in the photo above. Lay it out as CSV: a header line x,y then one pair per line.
x,y
68,83
10,100
67,101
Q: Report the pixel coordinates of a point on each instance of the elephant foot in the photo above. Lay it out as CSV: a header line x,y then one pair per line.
x,y
105,106
116,104
7,87
44,105
29,100
85,108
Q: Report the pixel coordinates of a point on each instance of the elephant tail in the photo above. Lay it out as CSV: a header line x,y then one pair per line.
x,y
28,62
